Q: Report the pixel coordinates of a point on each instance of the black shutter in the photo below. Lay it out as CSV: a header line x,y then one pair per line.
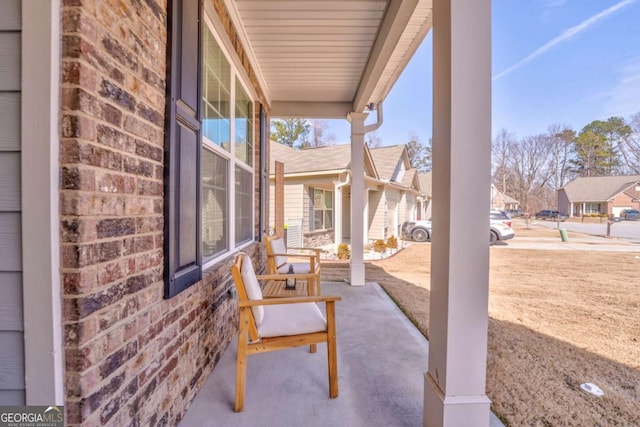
x,y
264,176
182,148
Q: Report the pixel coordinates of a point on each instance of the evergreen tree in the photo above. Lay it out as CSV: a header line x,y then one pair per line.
x,y
289,131
594,149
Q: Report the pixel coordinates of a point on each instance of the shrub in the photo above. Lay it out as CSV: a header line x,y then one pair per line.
x,y
344,252
379,246
392,242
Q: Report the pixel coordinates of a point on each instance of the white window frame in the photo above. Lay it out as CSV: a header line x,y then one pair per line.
x,y
588,208
212,24
313,208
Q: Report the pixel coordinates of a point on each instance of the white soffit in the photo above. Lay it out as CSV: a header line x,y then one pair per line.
x,y
327,54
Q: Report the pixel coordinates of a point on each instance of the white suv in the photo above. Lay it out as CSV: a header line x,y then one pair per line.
x,y
499,228
500,224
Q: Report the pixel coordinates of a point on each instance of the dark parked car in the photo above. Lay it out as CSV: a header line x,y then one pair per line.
x,y
630,214
548,214
515,213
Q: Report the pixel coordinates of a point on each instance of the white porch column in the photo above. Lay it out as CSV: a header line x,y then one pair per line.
x,y
454,393
357,197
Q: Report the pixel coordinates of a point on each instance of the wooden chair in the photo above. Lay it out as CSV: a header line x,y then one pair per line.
x,y
308,261
279,323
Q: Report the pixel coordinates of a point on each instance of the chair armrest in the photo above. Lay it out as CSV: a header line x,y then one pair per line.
x,y
297,255
289,300
283,276
316,250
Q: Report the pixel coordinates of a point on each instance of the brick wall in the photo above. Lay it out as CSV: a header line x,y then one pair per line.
x,y
131,357
624,200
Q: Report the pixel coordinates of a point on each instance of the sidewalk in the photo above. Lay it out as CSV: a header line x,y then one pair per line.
x,y
579,243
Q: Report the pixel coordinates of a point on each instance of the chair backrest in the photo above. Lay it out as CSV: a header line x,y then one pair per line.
x,y
248,287
276,245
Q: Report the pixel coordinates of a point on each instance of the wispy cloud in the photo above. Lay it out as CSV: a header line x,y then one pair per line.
x,y
622,100
554,3
566,35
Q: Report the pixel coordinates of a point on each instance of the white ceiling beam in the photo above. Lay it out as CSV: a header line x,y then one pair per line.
x,y
317,110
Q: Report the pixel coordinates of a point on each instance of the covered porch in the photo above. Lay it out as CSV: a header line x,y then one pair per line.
x,y
379,353
339,60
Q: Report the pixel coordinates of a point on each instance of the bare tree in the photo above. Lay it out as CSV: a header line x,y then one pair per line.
x,y
561,138
317,135
373,140
501,156
630,146
528,164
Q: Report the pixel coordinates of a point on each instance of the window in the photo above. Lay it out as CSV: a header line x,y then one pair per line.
x,y
322,209
590,208
227,159
214,204
209,177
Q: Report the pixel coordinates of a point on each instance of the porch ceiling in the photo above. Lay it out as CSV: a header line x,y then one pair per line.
x,y
326,58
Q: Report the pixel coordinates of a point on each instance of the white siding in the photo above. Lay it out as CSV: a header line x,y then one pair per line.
x,y
376,214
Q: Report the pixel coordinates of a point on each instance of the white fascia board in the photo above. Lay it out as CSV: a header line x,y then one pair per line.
x,y
311,174
318,110
395,21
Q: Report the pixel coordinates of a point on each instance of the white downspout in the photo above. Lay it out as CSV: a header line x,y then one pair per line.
x,y
337,226
378,123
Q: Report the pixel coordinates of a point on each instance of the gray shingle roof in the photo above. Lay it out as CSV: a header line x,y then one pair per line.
x,y
598,188
318,159
508,199
386,159
409,176
425,182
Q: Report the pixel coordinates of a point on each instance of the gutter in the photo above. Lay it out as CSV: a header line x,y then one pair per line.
x,y
375,126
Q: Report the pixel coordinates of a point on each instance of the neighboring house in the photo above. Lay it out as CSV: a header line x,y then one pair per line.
x,y
395,200
317,192
501,201
423,206
599,195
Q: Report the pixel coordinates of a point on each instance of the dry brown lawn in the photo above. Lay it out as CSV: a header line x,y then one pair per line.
x,y
557,319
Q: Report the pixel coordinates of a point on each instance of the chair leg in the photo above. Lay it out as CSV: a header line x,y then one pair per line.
x,y
311,290
241,364
332,349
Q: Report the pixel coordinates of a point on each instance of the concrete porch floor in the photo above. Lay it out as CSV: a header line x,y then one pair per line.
x,y
381,361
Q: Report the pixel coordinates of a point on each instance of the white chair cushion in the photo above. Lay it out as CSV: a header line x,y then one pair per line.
x,y
298,267
252,286
278,247
291,319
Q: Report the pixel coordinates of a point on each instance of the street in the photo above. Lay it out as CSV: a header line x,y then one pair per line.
x,y
623,229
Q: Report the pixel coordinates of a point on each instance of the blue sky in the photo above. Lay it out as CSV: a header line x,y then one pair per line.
x,y
554,61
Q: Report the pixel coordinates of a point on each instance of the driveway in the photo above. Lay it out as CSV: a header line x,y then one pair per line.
x,y
623,229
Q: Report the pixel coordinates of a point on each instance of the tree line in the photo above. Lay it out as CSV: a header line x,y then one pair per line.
x,y
532,168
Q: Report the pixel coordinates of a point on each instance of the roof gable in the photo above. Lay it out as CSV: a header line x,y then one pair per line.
x,y
389,160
